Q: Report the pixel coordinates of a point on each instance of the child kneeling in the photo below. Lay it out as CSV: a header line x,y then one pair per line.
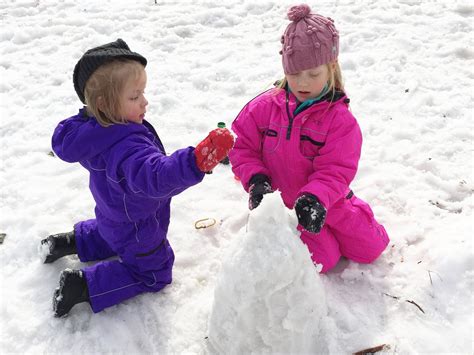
x,y
132,181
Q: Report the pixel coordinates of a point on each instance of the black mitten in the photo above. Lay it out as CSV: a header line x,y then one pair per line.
x,y
259,185
310,212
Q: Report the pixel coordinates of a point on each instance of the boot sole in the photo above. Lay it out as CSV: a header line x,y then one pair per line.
x,y
58,292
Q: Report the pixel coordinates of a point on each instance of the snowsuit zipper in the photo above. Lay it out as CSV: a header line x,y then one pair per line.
x,y
290,117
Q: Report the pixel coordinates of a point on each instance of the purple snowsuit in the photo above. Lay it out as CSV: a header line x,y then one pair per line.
x,y
132,181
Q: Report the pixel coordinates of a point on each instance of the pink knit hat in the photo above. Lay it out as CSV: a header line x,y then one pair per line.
x,y
310,40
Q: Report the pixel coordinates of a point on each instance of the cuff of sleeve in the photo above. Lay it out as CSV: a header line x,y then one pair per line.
x,y
193,165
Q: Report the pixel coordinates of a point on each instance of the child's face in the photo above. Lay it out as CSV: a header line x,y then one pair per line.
x,y
133,101
308,84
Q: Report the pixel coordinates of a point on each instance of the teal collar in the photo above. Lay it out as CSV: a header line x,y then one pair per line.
x,y
304,105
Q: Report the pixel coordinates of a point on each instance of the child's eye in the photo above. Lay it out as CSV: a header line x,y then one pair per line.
x,y
135,98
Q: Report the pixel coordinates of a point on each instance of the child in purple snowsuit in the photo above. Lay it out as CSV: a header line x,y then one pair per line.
x,y
300,138
132,181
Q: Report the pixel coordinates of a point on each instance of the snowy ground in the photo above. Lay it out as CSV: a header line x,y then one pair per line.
x,y
408,70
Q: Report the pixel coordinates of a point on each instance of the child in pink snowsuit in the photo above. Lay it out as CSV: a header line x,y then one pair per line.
x,y
301,139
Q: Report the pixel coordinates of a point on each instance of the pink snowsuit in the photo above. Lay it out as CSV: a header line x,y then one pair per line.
x,y
316,151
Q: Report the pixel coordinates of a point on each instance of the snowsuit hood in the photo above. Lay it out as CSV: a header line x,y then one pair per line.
x,y
81,137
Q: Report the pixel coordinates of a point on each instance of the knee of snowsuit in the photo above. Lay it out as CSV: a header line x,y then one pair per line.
x,y
150,263
351,230
144,264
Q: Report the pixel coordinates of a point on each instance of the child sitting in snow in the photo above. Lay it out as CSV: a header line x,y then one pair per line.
x,y
301,139
132,181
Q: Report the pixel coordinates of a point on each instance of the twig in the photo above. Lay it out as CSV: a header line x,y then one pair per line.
x,y
395,297
247,224
413,302
373,350
437,274
398,298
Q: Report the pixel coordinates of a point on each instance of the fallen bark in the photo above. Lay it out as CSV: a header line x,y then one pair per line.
x,y
373,350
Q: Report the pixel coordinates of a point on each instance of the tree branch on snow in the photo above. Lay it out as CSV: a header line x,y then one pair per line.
x,y
412,302
431,280
373,350
395,297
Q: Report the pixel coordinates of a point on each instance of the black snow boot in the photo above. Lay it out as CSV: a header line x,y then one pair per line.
x,y
58,245
71,291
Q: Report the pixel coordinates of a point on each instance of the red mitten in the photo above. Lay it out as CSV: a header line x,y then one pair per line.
x,y
213,149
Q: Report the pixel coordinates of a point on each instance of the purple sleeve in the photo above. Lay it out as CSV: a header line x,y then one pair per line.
x,y
148,170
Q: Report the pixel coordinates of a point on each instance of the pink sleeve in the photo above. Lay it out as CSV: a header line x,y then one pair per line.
x,y
336,164
246,156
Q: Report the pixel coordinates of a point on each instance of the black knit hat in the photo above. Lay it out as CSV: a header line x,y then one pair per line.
x,y
95,57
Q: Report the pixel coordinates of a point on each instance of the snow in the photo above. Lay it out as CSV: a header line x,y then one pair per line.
x,y
408,71
269,295
44,249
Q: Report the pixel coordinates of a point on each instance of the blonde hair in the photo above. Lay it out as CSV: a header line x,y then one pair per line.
x,y
335,82
106,85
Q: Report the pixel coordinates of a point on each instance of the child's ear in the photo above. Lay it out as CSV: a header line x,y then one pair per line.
x,y
333,64
100,103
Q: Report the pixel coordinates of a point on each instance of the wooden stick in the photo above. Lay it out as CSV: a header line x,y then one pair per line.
x,y
437,274
413,302
373,350
395,297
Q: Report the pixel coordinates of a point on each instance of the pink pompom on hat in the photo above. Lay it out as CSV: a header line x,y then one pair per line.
x,y
309,41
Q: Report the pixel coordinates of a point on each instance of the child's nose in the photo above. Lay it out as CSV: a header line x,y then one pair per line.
x,y
145,101
302,81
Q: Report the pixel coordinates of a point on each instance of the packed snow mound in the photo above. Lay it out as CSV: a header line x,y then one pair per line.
x,y
269,296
